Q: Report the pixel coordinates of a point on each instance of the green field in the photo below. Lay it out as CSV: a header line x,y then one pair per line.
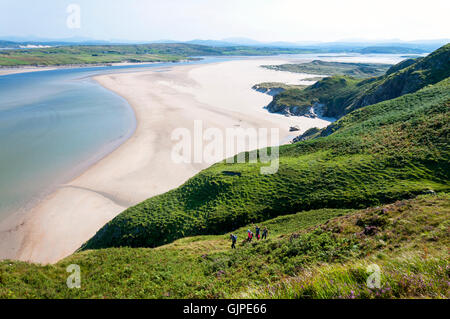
x,y
97,54
357,70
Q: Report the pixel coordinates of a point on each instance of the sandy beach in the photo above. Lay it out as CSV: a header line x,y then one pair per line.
x,y
218,94
28,69
25,69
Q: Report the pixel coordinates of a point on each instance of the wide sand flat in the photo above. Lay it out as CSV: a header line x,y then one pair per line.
x,y
219,95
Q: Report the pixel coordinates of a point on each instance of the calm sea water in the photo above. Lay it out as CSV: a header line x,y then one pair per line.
x,y
51,123
55,123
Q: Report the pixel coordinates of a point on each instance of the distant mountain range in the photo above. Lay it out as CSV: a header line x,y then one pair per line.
x,y
419,44
359,46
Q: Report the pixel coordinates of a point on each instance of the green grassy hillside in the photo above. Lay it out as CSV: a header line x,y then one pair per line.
x,y
314,254
73,55
339,95
377,154
157,52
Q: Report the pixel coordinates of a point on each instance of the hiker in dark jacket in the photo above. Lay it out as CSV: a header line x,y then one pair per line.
x,y
264,233
233,241
257,230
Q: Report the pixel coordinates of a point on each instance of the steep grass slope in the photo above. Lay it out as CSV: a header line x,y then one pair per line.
x,y
377,154
339,95
314,254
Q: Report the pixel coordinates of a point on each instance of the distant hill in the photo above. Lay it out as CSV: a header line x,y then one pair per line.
x,y
156,52
392,46
66,53
383,47
390,50
8,44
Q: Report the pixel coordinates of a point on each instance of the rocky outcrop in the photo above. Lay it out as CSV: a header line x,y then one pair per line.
x,y
268,90
311,111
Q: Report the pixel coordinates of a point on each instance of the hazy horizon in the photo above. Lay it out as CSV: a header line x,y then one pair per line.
x,y
75,39
263,21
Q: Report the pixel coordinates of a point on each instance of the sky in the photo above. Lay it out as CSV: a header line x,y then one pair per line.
x,y
262,20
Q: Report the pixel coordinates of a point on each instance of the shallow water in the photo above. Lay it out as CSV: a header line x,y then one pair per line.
x,y
50,124
54,124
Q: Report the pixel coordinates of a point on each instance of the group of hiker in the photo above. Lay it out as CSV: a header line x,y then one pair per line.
x,y
258,235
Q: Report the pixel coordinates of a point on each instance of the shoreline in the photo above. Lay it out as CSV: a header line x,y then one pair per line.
x,y
16,222
141,166
6,70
